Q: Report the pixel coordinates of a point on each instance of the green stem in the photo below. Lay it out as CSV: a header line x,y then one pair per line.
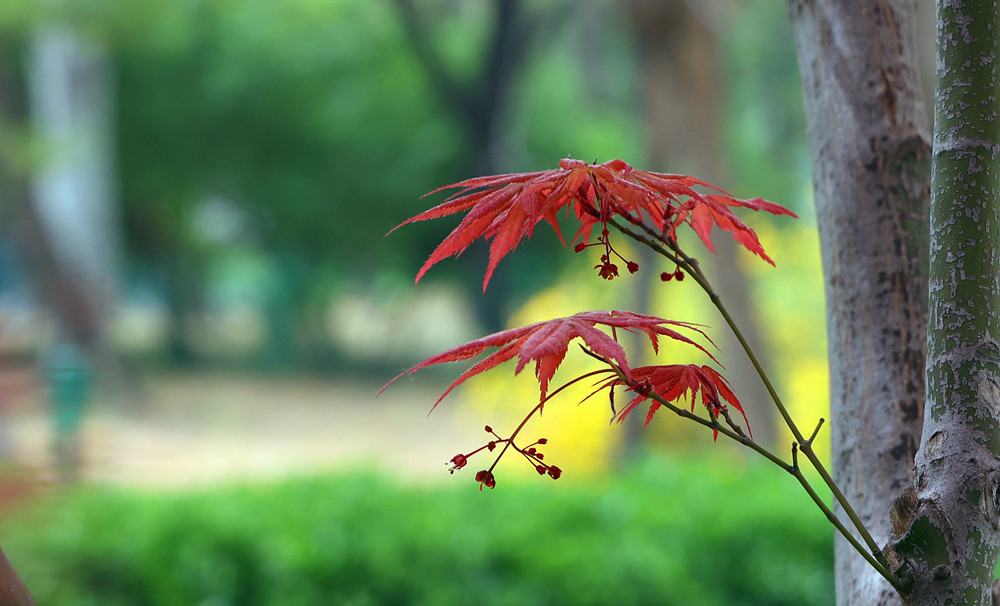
x,y
872,558
662,245
806,445
793,468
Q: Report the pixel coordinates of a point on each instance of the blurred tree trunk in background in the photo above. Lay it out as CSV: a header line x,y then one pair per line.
x,y
870,155
70,96
54,283
681,93
480,108
73,218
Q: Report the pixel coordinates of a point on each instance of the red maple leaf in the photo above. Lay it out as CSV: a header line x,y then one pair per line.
x,y
506,208
546,343
674,381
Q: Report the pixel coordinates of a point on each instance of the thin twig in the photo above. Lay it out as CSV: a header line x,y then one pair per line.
x,y
690,265
792,468
816,431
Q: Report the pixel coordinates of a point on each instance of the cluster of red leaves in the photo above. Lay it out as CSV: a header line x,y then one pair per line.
x,y
546,343
506,208
673,382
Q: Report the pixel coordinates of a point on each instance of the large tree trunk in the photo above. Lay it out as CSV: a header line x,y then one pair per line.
x,y
870,152
949,527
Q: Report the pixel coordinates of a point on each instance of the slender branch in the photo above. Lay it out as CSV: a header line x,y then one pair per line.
x,y
731,423
871,558
661,244
806,445
654,241
737,435
816,431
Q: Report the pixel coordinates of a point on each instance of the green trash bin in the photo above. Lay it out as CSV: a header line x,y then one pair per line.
x,y
68,374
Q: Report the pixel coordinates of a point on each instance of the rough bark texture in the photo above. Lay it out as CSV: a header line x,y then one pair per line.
x,y
870,152
949,527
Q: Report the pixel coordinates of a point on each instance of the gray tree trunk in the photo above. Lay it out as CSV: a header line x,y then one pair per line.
x,y
70,93
948,528
870,152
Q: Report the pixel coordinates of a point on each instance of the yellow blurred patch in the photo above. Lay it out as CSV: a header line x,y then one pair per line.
x,y
581,439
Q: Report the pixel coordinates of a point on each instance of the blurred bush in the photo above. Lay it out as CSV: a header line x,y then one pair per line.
x,y
671,531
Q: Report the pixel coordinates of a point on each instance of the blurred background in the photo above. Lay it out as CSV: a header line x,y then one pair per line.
x,y
198,303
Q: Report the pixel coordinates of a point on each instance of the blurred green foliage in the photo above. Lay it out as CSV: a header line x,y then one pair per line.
x,y
293,135
311,117
672,531
315,116
764,126
303,130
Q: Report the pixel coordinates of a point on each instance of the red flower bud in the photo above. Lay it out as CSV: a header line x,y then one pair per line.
x,y
608,271
543,440
679,275
666,277
579,247
633,267
555,472
540,469
458,462
489,429
485,478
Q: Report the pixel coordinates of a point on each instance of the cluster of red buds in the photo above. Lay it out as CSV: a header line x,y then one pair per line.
x,y
607,269
676,275
486,478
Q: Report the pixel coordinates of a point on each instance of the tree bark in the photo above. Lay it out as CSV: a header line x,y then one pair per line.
x,y
869,140
948,527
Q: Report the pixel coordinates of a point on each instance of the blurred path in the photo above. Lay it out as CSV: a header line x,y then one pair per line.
x,y
202,428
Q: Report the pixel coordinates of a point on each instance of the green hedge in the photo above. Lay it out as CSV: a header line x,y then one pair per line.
x,y
670,532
